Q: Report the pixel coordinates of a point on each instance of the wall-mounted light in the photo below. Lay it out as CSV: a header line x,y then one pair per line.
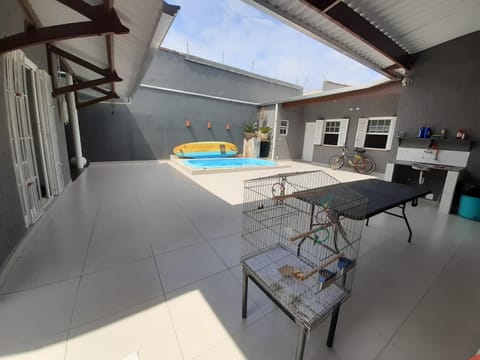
x,y
209,125
227,127
188,123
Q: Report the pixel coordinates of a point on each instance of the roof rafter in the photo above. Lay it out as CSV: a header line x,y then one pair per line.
x,y
351,21
108,76
100,23
85,84
107,8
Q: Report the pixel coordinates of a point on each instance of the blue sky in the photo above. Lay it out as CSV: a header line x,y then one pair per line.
x,y
236,34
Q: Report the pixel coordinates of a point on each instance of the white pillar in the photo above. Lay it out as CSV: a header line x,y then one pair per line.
x,y
274,140
72,110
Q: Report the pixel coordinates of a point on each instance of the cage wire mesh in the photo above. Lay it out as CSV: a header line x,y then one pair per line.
x,y
300,239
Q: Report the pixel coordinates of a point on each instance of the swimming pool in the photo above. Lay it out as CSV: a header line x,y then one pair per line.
x,y
224,163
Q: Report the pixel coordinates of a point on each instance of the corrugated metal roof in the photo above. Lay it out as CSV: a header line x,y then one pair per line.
x,y
417,25
302,17
131,50
414,25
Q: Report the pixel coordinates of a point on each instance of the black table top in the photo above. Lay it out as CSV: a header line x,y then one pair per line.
x,y
381,196
384,195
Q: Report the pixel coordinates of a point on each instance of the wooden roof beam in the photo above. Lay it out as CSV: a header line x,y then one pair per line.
x,y
77,60
344,16
100,24
108,7
86,84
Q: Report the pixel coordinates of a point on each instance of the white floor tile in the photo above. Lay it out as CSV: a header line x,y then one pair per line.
x,y
106,292
391,352
257,295
208,312
184,266
117,226
116,252
145,330
36,315
42,269
229,248
259,341
55,236
171,233
48,348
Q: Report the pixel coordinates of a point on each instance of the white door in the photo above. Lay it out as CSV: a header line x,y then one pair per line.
x,y
21,136
307,154
48,131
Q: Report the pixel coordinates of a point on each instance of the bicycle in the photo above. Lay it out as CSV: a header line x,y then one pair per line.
x,y
358,162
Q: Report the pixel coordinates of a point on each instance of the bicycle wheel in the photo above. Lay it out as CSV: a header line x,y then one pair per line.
x,y
336,162
365,166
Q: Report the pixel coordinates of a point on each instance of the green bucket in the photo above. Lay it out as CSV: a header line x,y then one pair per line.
x,y
469,207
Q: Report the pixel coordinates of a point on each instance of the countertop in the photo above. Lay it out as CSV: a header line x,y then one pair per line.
x,y
430,165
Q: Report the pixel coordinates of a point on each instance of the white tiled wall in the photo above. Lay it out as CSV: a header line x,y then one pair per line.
x,y
445,157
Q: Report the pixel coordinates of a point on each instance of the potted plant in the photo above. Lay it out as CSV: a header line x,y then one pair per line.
x,y
264,133
250,130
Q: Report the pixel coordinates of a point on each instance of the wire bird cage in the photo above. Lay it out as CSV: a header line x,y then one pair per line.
x,y
300,237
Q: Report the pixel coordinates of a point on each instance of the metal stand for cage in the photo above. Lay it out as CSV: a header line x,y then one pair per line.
x,y
302,330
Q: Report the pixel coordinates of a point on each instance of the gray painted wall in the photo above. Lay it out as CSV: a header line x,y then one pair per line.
x,y
12,226
182,72
154,123
290,146
369,106
445,92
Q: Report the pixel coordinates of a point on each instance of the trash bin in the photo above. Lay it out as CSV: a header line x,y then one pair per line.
x,y
264,149
470,204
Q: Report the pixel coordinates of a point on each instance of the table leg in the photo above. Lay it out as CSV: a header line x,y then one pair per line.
x,y
333,326
408,225
302,337
244,295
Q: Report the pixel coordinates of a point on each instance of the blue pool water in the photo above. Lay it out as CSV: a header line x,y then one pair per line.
x,y
223,163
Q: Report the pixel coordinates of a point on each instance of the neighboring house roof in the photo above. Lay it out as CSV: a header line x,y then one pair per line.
x,y
381,34
383,86
148,22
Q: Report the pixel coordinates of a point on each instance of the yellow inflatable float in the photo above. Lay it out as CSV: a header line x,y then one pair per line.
x,y
206,149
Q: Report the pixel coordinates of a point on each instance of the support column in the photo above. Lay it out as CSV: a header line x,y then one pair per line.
x,y
72,111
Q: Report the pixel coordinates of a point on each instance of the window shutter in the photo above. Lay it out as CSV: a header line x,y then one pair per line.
x,y
342,136
318,133
361,132
391,131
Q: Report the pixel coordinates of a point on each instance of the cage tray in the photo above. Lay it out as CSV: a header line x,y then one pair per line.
x,y
306,300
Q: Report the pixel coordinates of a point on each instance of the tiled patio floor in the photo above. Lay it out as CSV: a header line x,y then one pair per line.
x,y
139,260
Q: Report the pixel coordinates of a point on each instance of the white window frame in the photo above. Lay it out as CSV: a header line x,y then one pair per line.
x,y
362,132
320,131
283,131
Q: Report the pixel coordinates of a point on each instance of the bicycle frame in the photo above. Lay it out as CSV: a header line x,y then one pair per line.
x,y
352,157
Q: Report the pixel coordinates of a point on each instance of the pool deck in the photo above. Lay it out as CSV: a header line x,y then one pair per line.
x,y
136,260
222,184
